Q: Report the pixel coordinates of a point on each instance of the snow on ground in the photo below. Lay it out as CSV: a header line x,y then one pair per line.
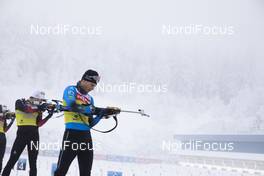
x,y
101,168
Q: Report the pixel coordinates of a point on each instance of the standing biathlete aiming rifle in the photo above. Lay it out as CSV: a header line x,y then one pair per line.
x,y
6,120
29,119
80,115
78,122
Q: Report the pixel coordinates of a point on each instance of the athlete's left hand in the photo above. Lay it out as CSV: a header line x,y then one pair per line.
x,y
51,110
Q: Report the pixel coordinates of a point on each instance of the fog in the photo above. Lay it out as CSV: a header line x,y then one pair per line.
x,y
213,83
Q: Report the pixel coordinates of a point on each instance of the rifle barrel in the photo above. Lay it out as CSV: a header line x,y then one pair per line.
x,y
141,112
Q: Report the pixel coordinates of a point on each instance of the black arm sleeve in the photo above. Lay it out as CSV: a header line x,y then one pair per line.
x,y
20,105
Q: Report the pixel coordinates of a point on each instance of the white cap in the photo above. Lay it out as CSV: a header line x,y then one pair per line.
x,y
39,95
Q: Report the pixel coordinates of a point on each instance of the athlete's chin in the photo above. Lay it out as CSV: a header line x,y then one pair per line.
x,y
89,90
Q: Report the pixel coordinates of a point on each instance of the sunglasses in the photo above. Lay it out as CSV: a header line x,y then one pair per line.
x,y
94,79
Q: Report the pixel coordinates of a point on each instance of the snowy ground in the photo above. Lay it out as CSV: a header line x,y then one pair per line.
x,y
101,168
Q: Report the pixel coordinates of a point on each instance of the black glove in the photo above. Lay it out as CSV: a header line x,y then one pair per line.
x,y
101,112
109,111
43,107
51,110
10,115
112,110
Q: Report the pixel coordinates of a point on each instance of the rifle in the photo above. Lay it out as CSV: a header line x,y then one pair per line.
x,y
6,113
107,112
58,107
10,115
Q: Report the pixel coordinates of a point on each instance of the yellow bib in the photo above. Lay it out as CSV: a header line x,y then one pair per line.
x,y
2,127
74,117
26,119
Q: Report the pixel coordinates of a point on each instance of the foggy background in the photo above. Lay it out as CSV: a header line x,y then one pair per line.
x,y
214,82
